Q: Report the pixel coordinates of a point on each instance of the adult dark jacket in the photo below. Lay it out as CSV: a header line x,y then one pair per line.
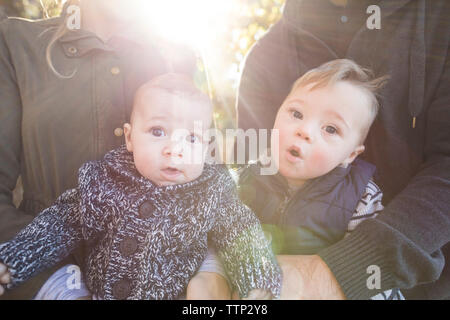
x,y
412,235
50,126
2,14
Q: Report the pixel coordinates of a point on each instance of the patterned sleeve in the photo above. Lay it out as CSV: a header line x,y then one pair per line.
x,y
369,207
242,247
48,239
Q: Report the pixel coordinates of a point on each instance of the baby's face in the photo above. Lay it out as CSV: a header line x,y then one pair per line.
x,y
167,147
320,130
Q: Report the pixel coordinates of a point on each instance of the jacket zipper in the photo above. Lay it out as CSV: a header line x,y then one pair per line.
x,y
282,209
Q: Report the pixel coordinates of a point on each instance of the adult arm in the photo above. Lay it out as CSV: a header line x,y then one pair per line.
x,y
12,220
2,14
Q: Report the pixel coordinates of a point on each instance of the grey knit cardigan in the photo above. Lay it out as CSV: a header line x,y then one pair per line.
x,y
145,241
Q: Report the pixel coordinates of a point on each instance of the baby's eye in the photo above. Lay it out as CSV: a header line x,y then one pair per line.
x,y
330,129
192,139
157,132
297,114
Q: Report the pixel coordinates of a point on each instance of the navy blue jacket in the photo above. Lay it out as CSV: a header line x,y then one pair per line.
x,y
314,217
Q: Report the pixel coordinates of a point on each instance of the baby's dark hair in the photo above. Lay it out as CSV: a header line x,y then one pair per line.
x,y
174,83
346,70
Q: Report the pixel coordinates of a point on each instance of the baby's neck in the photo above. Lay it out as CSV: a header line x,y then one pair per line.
x,y
295,186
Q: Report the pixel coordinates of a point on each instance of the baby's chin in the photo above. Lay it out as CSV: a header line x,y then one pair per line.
x,y
291,174
166,183
181,180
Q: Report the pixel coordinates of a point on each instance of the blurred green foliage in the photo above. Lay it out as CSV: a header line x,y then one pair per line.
x,y
32,9
246,26
224,61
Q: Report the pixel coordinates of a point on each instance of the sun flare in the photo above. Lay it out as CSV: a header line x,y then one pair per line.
x,y
194,22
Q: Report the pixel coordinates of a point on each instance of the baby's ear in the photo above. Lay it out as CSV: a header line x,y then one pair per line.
x,y
358,150
127,134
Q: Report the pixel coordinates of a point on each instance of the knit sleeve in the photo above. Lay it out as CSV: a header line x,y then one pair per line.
x,y
48,239
245,252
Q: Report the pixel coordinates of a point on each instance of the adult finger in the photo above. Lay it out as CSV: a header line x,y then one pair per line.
x,y
267,296
257,294
6,278
1,290
3,268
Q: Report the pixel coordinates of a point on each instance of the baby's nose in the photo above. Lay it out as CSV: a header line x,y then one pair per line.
x,y
305,133
173,149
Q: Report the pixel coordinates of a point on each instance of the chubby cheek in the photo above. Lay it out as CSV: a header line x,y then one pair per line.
x,y
146,163
193,161
193,171
277,140
281,139
320,159
322,162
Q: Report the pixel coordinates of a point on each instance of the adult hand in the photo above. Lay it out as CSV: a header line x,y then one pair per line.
x,y
5,277
208,286
258,294
308,278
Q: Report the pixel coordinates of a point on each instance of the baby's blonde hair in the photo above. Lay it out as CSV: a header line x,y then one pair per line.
x,y
345,70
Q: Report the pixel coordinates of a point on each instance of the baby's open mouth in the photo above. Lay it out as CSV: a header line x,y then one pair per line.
x,y
171,171
294,151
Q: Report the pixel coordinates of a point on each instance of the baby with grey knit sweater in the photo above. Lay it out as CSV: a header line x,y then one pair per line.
x,y
148,210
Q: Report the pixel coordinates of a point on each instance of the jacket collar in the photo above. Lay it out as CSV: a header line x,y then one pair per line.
x,y
314,187
273,183
120,166
85,41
